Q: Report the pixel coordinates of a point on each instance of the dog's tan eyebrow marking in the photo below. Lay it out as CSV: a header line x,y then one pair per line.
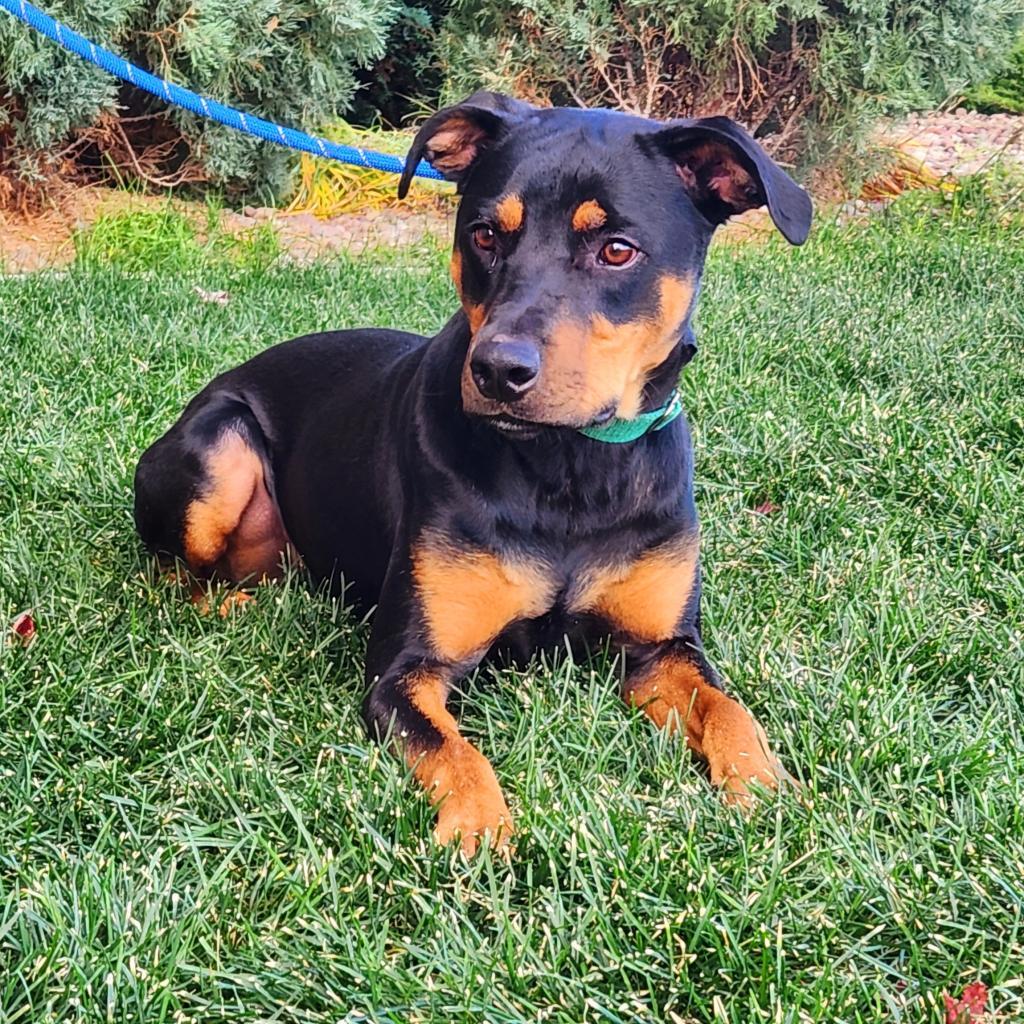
x,y
509,213
589,216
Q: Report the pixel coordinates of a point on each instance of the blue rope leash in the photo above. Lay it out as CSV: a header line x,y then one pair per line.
x,y
203,105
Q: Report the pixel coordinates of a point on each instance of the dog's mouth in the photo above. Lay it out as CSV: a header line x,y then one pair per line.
x,y
604,416
513,426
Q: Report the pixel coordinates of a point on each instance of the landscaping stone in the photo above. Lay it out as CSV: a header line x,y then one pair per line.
x,y
957,143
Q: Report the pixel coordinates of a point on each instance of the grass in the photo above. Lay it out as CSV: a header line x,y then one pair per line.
x,y
194,826
167,240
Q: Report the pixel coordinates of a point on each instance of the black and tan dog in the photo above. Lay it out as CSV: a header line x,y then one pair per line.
x,y
520,477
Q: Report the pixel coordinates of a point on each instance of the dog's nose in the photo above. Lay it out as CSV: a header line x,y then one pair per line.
x,y
504,369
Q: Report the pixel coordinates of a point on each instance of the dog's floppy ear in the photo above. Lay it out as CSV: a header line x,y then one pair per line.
x,y
726,172
453,138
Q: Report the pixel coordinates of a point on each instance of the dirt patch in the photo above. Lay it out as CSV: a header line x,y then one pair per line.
x,y
305,237
46,239
32,242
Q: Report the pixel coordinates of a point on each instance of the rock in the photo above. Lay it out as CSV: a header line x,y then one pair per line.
x,y
959,142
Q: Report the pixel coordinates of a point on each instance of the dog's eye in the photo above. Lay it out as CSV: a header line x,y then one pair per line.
x,y
484,238
617,253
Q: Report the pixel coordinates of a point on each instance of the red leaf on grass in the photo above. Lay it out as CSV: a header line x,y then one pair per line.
x,y
976,996
766,508
970,1007
23,629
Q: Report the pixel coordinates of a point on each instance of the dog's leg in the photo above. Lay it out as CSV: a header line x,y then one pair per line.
x,y
203,495
678,690
441,609
458,779
652,604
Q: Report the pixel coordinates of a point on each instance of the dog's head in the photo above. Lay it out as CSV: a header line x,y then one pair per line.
x,y
579,243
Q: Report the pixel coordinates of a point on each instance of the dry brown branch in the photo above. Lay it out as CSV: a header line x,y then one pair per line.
x,y
160,164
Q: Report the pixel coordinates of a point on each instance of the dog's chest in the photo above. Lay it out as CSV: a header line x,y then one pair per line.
x,y
527,597
641,595
645,600
644,596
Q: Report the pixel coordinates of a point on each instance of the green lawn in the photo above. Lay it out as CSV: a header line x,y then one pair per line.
x,y
194,827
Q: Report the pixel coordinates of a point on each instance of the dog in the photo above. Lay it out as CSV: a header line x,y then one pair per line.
x,y
522,477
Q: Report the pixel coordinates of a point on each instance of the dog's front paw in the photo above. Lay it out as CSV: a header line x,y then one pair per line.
x,y
739,756
742,781
474,808
468,820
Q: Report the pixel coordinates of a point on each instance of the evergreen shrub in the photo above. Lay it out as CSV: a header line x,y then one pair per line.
x,y
786,68
1004,92
292,62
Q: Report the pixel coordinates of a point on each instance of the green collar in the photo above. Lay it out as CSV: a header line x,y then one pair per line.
x,y
621,431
